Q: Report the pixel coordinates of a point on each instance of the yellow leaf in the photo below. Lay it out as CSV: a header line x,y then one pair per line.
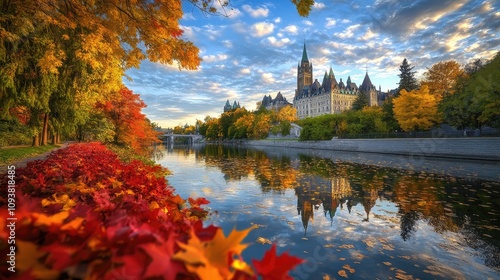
x,y
28,258
44,220
73,225
203,257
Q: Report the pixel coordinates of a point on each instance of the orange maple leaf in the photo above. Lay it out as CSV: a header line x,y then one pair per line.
x,y
213,259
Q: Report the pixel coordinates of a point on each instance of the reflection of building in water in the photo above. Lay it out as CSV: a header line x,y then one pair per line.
x,y
315,190
369,200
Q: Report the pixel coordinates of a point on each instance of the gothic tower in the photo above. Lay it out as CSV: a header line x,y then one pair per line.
x,y
304,72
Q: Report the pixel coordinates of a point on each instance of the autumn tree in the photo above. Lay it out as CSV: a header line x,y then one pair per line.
x,y
477,98
442,77
416,109
131,127
407,80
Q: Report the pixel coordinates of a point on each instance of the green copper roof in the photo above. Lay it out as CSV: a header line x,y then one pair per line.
x,y
304,54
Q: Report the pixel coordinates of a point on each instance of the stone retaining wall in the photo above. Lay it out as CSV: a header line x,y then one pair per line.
x,y
458,148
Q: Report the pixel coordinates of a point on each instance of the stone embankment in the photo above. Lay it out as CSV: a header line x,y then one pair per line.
x,y
477,158
452,148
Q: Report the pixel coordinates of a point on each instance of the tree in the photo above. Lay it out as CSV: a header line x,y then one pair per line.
x,y
442,77
131,127
416,109
476,101
360,102
287,113
407,79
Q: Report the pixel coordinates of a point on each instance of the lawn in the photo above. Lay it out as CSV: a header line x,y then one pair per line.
x,y
11,154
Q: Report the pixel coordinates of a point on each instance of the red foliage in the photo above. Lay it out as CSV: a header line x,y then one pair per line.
x,y
131,125
84,214
276,267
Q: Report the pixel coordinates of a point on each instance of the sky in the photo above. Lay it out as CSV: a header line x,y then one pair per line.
x,y
254,51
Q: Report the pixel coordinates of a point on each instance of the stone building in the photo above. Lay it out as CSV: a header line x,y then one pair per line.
x,y
313,98
274,104
228,106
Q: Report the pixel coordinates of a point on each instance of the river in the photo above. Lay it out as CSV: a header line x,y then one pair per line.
x,y
347,220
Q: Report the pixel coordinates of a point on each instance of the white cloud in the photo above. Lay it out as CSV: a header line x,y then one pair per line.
x,y
267,78
259,12
240,27
245,71
214,58
277,20
227,43
330,22
292,29
318,6
349,32
233,13
188,16
368,35
170,109
278,43
308,23
262,29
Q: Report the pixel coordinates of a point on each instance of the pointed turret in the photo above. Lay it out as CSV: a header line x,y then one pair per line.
x,y
367,85
325,82
341,84
304,54
333,81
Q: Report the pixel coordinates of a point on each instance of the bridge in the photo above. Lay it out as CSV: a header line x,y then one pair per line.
x,y
169,137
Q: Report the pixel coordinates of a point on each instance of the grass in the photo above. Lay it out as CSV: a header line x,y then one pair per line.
x,y
11,154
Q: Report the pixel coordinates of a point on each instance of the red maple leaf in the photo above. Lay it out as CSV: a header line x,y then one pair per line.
x,y
276,267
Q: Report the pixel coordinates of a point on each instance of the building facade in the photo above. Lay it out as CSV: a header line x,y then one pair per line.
x,y
329,97
228,106
273,104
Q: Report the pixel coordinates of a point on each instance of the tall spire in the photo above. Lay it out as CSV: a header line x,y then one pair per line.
x,y
304,54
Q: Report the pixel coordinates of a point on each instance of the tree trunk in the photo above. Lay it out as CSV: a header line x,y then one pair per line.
x,y
58,139
54,138
36,141
45,131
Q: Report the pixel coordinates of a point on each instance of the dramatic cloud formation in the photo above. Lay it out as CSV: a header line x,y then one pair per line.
x,y
255,51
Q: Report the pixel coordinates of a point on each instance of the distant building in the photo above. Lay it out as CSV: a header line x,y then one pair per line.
x,y
274,104
228,106
329,97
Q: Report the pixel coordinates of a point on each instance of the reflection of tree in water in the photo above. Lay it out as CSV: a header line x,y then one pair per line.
x,y
273,174
408,223
445,203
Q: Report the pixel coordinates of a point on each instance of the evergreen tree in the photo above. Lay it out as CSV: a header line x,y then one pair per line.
x,y
360,102
407,77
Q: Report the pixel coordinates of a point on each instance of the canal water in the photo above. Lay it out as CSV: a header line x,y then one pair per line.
x,y
347,220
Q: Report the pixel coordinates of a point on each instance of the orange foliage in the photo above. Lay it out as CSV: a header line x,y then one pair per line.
x,y
131,126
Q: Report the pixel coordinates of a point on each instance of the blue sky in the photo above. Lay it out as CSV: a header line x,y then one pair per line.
x,y
255,51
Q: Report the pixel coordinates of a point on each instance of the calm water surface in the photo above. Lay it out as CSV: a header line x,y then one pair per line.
x,y
346,219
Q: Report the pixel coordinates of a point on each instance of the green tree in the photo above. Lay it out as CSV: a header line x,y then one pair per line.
x,y
477,98
407,80
360,102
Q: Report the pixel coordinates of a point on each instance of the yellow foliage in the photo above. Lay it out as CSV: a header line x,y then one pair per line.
x,y
63,199
44,220
416,110
442,77
28,257
208,259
